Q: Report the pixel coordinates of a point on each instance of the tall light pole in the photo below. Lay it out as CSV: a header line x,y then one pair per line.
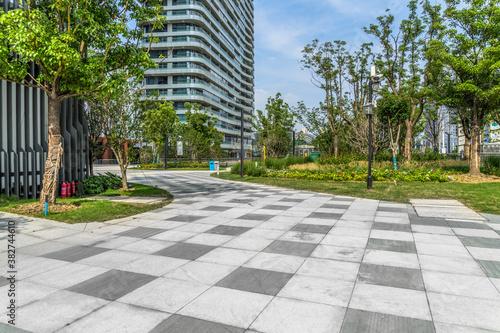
x,y
368,110
242,147
166,150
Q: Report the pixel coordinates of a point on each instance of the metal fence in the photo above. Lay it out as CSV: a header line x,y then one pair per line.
x,y
23,140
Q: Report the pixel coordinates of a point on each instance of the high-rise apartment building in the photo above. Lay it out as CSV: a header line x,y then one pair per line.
x,y
208,50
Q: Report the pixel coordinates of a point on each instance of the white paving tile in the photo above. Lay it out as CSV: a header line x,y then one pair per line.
x,y
460,285
294,316
226,256
318,290
332,269
465,311
153,265
227,306
275,262
118,318
394,301
201,272
164,294
391,258
450,265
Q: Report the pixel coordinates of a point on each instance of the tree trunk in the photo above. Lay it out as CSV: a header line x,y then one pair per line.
x,y
467,149
54,155
123,171
394,152
122,162
475,158
336,144
408,139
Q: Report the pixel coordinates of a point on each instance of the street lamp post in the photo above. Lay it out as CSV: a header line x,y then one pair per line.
x,y
166,150
369,180
242,144
368,110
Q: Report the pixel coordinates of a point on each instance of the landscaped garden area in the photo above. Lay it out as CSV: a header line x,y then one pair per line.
x,y
424,179
84,207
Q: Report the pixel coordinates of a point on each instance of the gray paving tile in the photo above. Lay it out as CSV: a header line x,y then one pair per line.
x,y
428,221
334,206
242,200
112,285
330,216
313,228
75,253
185,251
256,217
359,321
392,209
336,199
182,324
291,200
258,195
227,230
4,328
216,208
397,277
490,243
491,268
291,248
141,232
467,225
391,245
255,280
185,218
3,281
391,226
492,218
276,207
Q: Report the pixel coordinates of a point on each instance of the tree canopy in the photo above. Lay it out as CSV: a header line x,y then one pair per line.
x,y
78,47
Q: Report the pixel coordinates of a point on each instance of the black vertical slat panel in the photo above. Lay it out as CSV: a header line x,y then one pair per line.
x,y
15,167
8,162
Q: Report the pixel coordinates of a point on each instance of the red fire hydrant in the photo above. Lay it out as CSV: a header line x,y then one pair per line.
x,y
64,190
74,184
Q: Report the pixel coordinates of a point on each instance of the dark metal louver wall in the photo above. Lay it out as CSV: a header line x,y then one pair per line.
x,y
23,137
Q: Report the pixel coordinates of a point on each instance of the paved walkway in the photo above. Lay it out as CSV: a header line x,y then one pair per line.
x,y
235,257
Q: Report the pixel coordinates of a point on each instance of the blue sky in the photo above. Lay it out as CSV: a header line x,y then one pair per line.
x,y
284,27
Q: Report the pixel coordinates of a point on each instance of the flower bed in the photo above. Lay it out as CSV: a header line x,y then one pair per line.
x,y
378,175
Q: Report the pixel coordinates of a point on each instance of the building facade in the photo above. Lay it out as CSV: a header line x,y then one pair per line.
x,y
444,126
205,55
24,136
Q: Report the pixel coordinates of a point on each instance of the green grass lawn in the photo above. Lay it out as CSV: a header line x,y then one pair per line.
x,y
481,197
138,190
94,210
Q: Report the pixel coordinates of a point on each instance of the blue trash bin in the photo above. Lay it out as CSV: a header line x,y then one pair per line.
x,y
212,165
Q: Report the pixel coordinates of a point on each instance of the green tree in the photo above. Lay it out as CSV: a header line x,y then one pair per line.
x,y
393,110
358,78
435,123
328,65
200,132
401,63
79,46
120,111
466,71
160,120
96,130
316,123
274,126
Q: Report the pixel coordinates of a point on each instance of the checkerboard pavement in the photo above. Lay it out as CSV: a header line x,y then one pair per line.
x,y
235,257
